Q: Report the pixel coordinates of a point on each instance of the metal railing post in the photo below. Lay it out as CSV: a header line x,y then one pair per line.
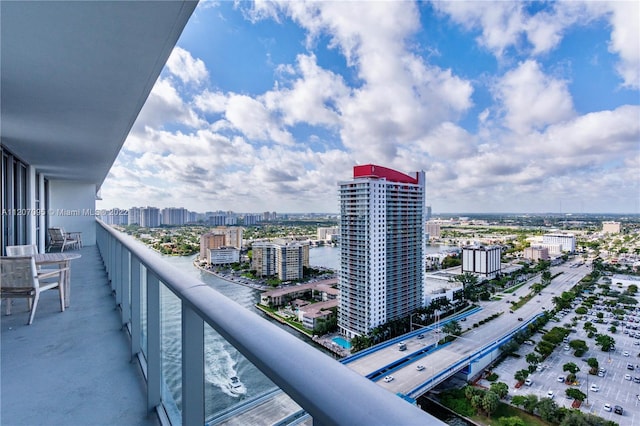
x,y
192,367
125,279
154,356
136,311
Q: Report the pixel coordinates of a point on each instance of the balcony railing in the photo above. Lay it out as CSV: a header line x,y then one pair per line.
x,y
327,390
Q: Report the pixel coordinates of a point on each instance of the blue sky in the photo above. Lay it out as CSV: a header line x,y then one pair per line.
x,y
507,106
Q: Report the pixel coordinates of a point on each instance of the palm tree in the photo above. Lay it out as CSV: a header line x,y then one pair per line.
x,y
469,282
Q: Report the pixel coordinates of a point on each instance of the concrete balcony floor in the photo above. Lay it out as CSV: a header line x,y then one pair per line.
x,y
72,367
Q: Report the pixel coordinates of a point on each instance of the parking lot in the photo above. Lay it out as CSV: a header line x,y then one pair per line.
x,y
616,386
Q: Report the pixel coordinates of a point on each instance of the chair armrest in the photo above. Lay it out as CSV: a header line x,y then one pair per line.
x,y
52,273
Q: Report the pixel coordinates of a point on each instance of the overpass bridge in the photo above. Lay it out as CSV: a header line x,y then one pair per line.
x,y
469,354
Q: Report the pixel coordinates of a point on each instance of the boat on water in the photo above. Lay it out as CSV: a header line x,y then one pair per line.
x,y
236,387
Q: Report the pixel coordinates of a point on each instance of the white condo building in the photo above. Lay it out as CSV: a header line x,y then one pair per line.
x,y
566,241
382,232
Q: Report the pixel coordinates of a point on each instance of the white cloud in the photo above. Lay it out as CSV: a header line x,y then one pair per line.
x,y
186,68
531,99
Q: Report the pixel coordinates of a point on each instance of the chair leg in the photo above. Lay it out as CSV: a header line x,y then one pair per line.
x,y
33,308
61,290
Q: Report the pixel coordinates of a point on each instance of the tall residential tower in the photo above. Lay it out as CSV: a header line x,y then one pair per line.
x,y
382,238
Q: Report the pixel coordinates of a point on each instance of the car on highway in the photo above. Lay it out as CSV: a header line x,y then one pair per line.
x,y
420,336
419,367
388,379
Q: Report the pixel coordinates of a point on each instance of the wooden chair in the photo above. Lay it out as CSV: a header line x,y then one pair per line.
x,y
58,238
19,278
25,250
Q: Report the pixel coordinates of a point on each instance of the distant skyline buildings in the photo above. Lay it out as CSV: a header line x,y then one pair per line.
x,y
383,246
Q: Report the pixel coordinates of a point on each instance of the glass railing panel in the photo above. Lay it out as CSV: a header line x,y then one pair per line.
x,y
171,348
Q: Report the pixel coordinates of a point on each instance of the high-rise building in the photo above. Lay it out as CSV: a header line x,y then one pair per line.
x,y
433,230
174,216
149,217
482,260
383,246
134,216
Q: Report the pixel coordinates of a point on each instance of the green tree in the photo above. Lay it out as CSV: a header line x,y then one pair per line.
x,y
501,389
469,282
452,327
521,375
490,402
593,363
605,342
571,367
548,410
530,403
575,393
532,358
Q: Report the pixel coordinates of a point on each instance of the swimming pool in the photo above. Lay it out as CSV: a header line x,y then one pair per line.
x,y
341,342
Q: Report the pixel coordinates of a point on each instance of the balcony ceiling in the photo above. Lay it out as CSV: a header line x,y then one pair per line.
x,y
74,76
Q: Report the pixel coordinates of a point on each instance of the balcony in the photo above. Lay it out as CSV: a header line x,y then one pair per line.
x,y
101,360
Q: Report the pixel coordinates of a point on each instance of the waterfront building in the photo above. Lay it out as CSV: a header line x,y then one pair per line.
x,y
149,217
383,246
115,216
536,253
433,230
223,256
610,227
285,259
327,233
481,260
219,237
565,240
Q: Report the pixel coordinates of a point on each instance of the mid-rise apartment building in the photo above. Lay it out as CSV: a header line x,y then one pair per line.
x,y
383,246
481,260
611,227
565,240
287,260
536,253
219,237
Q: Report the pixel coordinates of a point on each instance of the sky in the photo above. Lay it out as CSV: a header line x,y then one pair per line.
x,y
522,107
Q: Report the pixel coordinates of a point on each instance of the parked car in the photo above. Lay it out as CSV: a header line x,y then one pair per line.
x,y
594,388
607,407
561,378
618,409
528,382
627,376
550,394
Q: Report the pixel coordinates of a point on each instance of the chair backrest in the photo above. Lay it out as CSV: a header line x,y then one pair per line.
x,y
18,273
56,234
25,250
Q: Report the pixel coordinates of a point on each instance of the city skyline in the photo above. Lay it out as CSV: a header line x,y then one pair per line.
x,y
518,107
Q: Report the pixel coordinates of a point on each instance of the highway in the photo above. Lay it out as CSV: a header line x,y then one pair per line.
x,y
447,358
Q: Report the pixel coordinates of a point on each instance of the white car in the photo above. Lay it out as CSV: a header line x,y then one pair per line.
x,y
550,394
607,407
419,367
594,388
561,379
627,376
625,353
388,379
